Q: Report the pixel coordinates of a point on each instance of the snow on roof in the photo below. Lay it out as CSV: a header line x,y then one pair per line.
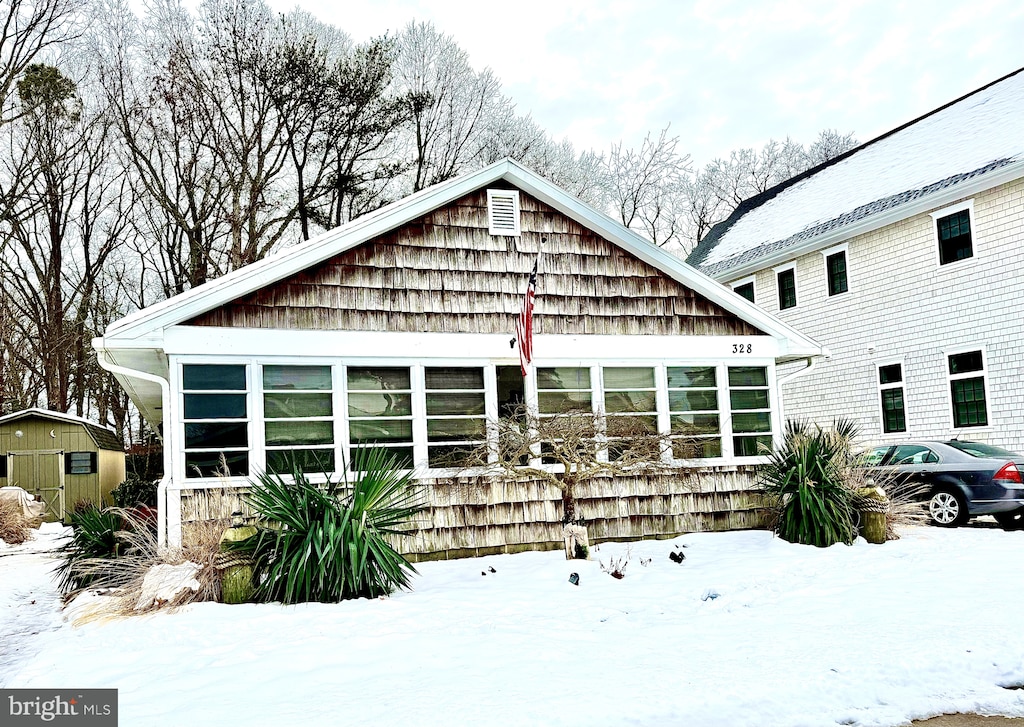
x,y
972,136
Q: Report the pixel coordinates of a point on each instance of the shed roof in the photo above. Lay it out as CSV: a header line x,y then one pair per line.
x,y
104,437
975,142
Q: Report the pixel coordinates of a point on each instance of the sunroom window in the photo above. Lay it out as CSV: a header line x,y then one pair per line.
x,y
630,404
380,410
750,409
560,391
216,415
456,415
693,407
298,413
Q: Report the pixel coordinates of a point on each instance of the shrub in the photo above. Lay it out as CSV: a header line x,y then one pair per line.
x,y
329,542
134,491
14,527
95,537
809,480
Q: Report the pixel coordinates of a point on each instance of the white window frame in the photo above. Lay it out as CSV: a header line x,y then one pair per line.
x,y
498,224
750,280
950,378
843,248
936,243
902,384
778,270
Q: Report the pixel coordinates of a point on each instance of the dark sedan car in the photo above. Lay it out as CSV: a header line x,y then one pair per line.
x,y
958,479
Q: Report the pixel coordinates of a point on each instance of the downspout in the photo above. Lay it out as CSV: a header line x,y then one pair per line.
x,y
165,395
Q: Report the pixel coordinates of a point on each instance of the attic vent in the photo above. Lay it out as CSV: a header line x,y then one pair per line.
x,y
503,212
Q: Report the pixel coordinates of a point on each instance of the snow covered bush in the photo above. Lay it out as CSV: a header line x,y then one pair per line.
x,y
329,542
14,527
809,480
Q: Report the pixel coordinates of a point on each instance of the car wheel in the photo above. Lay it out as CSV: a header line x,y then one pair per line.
x,y
1012,520
948,508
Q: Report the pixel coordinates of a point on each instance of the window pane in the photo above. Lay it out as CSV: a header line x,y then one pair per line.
x,y
891,374
969,403
749,398
294,406
628,378
563,378
893,417
402,456
378,379
453,455
448,430
697,448
751,446
211,377
691,376
288,433
214,406
284,461
561,402
216,435
700,400
297,377
455,378
380,430
746,290
626,426
208,464
695,424
377,405
962,363
787,289
629,401
466,404
752,422
748,376
836,265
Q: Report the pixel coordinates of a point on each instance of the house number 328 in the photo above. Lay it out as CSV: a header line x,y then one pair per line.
x,y
742,348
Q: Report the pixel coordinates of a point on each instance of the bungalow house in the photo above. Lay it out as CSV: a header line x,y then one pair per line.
x,y
904,257
396,329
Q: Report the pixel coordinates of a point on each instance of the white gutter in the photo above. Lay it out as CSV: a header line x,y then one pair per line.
x,y
165,392
811,362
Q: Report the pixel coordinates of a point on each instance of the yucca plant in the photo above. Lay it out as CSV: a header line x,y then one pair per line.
x,y
329,542
94,538
807,478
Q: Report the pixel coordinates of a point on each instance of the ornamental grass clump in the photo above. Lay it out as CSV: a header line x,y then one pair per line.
x,y
808,480
329,542
14,526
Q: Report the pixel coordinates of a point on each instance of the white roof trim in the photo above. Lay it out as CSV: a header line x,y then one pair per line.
x,y
149,323
47,414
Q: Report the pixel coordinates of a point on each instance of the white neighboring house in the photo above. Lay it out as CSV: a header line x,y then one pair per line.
x,y
395,330
905,257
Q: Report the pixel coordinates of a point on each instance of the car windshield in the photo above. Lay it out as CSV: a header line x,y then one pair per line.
x,y
982,450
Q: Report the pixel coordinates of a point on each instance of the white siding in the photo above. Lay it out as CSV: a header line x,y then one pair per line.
x,y
903,305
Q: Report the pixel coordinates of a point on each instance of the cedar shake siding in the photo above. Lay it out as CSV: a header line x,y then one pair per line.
x,y
445,273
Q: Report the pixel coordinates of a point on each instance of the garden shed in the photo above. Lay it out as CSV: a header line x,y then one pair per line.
x,y
398,329
61,459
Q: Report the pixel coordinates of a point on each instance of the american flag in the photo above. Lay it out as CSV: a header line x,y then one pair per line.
x,y
524,323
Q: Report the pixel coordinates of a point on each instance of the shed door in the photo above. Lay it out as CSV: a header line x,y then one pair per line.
x,y
40,474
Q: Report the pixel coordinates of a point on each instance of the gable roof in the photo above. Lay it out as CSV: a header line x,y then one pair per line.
x,y
136,341
973,143
103,437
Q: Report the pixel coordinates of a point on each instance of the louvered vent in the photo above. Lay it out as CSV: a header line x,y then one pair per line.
x,y
503,212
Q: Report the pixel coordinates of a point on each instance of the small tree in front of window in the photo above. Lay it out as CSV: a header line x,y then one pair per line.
x,y
567,450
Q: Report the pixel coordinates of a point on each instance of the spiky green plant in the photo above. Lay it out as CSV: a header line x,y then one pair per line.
x,y
807,478
94,537
329,542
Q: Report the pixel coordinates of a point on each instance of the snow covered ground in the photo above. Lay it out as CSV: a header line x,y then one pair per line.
x,y
747,630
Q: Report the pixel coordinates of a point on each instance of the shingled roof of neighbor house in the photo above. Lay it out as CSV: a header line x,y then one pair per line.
x,y
972,143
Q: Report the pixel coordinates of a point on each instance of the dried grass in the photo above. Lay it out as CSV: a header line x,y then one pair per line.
x,y
15,529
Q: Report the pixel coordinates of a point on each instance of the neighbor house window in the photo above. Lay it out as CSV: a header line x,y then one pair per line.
x,y
693,412
744,288
298,414
786,281
215,411
835,270
380,410
967,389
79,463
954,233
890,386
750,408
456,415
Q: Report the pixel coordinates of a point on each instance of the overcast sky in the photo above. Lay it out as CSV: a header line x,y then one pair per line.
x,y
724,73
